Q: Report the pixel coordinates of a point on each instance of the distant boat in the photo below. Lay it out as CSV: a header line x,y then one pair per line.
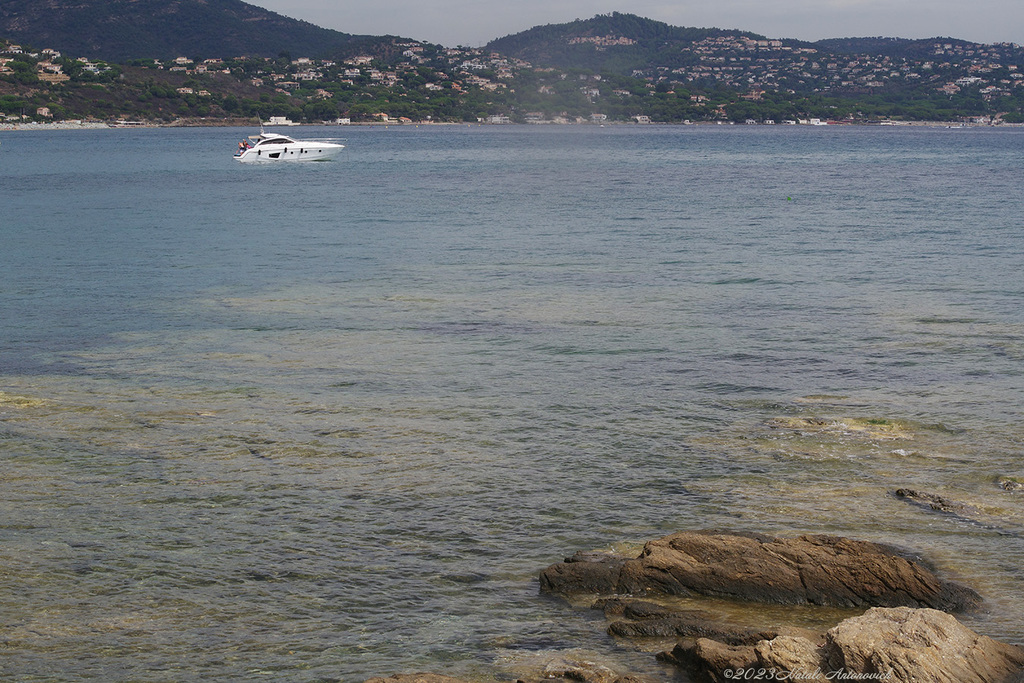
x,y
278,147
281,121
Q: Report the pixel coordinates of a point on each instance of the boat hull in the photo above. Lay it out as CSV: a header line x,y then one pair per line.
x,y
298,151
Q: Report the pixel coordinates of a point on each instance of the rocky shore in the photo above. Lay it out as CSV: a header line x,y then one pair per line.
x,y
904,628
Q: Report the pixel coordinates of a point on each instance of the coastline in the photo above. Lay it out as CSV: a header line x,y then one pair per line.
x,y
242,123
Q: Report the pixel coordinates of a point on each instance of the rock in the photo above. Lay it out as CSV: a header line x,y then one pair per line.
x,y
799,656
576,665
635,609
932,501
579,669
819,570
961,511
682,627
709,660
416,678
898,644
1011,484
920,645
643,619
870,428
583,573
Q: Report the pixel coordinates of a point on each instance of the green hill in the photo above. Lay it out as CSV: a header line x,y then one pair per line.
x,y
901,48
618,67
119,30
614,42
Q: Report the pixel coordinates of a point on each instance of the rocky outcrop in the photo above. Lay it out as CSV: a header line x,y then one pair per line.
x,y
898,644
903,637
818,570
921,645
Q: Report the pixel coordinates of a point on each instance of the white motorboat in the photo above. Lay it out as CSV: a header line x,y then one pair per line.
x,y
278,147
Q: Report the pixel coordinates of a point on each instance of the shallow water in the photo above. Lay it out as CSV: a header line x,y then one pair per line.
x,y
327,421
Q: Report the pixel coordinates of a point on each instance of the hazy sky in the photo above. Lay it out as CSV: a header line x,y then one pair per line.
x,y
475,22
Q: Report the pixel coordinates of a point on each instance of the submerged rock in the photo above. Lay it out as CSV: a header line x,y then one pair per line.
x,y
933,501
642,619
966,512
576,668
818,570
1011,484
872,428
417,678
577,665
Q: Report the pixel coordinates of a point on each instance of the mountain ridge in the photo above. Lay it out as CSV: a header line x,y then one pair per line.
x,y
650,43
616,41
119,30
238,59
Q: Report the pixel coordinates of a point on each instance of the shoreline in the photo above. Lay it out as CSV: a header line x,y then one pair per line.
x,y
239,123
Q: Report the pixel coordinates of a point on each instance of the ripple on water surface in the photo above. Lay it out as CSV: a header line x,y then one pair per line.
x,y
343,444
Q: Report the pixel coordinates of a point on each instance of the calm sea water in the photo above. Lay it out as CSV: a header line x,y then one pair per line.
x,y
327,421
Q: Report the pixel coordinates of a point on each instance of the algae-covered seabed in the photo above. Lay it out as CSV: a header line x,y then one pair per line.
x,y
339,436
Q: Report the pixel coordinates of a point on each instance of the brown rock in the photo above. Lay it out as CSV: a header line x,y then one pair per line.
x,y
583,573
894,644
794,655
820,570
710,660
923,645
573,668
932,501
643,619
631,608
686,627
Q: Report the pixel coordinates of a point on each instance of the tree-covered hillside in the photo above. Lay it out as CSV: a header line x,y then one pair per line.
x,y
617,43
615,67
118,30
900,48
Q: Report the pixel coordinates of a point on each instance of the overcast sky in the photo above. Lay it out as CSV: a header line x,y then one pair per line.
x,y
473,23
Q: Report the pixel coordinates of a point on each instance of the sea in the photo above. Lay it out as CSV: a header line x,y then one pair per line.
x,y
328,421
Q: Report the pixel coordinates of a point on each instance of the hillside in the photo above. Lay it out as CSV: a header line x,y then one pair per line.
x,y
616,42
239,61
119,30
900,48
